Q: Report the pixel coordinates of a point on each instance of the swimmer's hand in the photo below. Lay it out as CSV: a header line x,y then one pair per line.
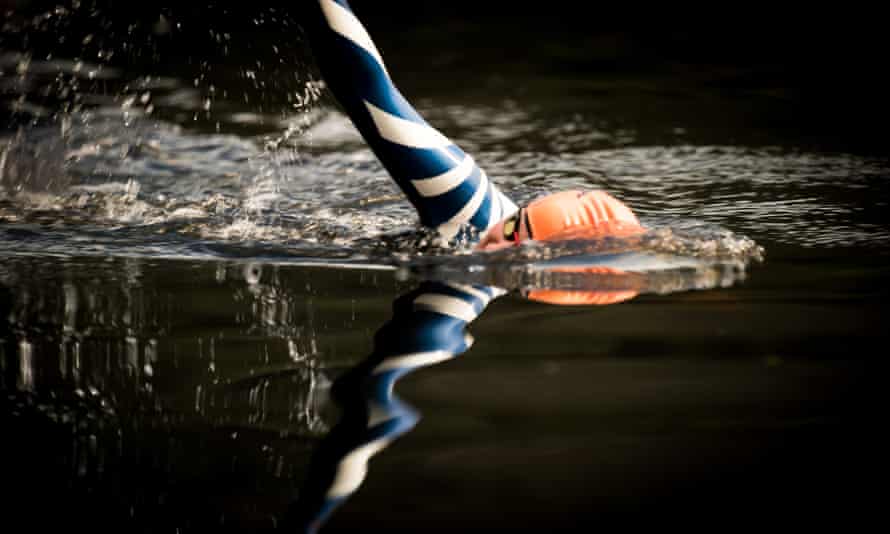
x,y
566,215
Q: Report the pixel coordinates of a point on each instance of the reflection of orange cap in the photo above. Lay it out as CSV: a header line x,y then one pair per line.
x,y
592,214
582,297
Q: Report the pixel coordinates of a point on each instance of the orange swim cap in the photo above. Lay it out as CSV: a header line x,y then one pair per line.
x,y
579,214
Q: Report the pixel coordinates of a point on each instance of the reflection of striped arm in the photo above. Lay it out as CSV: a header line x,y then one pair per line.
x,y
428,327
444,184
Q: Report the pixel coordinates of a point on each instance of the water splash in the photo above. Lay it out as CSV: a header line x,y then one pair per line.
x,y
298,196
107,152
180,64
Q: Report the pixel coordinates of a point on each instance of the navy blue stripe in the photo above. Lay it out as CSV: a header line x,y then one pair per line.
x,y
480,218
355,76
442,208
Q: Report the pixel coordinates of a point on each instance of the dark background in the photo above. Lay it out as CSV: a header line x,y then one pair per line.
x,y
826,63
798,446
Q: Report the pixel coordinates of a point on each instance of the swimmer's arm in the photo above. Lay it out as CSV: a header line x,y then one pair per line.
x,y
443,183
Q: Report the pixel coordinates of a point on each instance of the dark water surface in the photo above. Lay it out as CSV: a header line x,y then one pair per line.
x,y
195,245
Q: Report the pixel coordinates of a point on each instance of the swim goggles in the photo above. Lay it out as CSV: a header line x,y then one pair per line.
x,y
511,227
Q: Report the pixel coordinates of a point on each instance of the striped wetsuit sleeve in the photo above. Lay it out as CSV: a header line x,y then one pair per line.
x,y
443,183
428,326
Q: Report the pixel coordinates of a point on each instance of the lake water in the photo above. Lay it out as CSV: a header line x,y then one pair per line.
x,y
208,283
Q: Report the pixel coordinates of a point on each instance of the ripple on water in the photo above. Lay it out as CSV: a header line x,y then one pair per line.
x,y
311,189
778,195
106,172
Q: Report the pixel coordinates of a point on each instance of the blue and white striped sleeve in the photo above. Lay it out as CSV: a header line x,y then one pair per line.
x,y
443,183
428,327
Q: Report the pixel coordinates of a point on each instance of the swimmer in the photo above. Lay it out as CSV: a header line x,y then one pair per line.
x,y
444,184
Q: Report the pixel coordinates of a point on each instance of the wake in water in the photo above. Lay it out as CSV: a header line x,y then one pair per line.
x,y
112,175
99,183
